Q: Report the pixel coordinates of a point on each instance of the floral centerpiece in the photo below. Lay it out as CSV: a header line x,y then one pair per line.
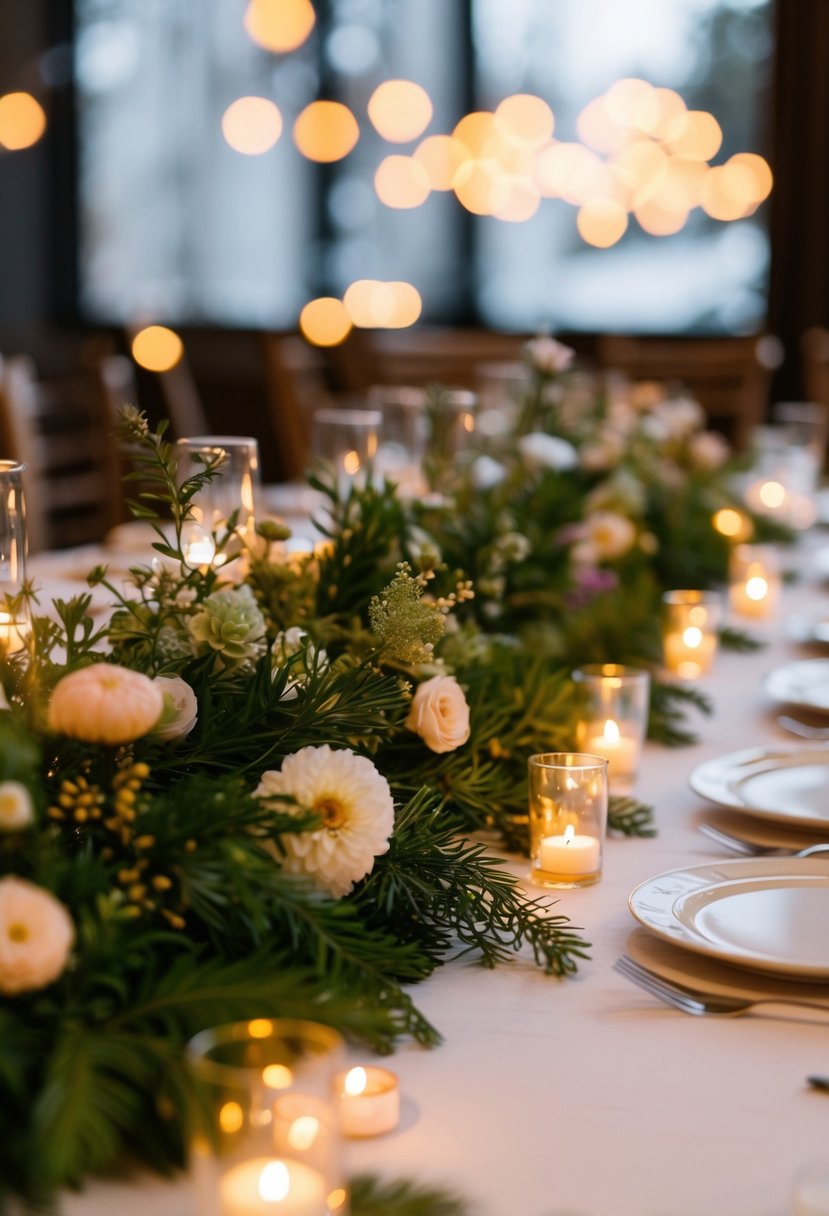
x,y
241,796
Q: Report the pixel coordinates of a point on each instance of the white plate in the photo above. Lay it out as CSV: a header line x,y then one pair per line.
x,y
812,625
787,784
765,914
804,683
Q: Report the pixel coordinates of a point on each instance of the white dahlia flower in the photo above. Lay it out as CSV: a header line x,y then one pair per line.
x,y
36,935
356,807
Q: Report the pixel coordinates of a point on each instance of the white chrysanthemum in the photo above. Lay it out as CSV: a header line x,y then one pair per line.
x,y
181,709
16,809
549,356
36,935
356,807
541,451
609,534
487,473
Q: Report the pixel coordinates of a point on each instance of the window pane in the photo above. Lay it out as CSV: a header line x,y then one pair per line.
x,y
710,275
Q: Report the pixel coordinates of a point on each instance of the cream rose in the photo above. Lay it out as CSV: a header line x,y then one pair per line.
x,y
16,810
36,935
439,714
181,708
105,704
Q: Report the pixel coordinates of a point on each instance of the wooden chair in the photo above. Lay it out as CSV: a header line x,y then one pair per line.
x,y
296,388
814,348
62,430
728,376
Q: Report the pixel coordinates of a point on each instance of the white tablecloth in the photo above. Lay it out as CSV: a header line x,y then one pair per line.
x,y
586,1097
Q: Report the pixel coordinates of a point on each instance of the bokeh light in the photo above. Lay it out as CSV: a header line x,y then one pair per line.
x,y
22,121
441,156
279,25
401,182
372,304
480,186
516,200
326,131
474,131
602,222
524,119
157,348
695,134
325,321
400,110
252,125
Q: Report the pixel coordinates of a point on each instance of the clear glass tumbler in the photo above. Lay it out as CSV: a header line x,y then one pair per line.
x,y
568,818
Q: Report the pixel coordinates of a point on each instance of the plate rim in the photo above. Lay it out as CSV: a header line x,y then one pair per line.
x,y
782,698
746,867
697,776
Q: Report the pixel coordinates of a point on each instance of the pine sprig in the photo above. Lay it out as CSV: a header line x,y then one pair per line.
x,y
739,640
629,817
371,1196
441,890
668,702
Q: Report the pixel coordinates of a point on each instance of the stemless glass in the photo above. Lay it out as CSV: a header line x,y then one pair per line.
x,y
346,440
689,631
266,1129
614,715
403,430
232,491
568,818
14,620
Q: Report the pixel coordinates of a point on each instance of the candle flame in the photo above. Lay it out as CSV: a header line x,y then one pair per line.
x,y
569,834
355,1082
772,494
274,1182
611,731
692,637
757,588
351,463
277,1076
303,1132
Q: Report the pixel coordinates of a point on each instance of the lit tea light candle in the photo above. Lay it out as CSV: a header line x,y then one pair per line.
x,y
272,1187
620,751
569,855
197,545
369,1101
13,631
690,632
755,581
690,652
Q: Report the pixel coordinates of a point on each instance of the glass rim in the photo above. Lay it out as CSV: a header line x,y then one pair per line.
x,y
217,441
610,671
12,466
683,596
349,417
240,1075
567,760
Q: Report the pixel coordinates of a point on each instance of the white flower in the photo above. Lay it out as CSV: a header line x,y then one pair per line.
x,y
708,450
549,356
16,810
608,534
439,714
487,473
356,807
4,700
36,935
540,451
105,704
181,708
294,649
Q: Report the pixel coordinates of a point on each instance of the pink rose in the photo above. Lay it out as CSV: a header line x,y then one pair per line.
x,y
439,714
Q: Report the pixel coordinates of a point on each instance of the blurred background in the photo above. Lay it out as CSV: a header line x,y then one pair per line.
x,y
260,206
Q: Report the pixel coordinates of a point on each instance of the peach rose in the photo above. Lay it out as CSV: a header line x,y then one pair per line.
x,y
36,935
105,704
439,714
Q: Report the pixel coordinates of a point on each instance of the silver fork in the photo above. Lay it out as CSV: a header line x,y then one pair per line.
x,y
691,1001
804,729
747,848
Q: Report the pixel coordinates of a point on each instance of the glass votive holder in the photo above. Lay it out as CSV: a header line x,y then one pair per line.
x,y
810,1196
15,622
690,623
754,580
568,818
613,717
403,433
266,1125
452,415
347,441
231,493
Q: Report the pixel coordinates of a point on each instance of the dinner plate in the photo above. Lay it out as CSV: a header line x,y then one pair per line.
x,y
811,625
804,683
787,784
764,914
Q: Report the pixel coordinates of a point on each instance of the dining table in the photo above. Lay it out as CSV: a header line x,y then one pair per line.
x,y
586,1096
